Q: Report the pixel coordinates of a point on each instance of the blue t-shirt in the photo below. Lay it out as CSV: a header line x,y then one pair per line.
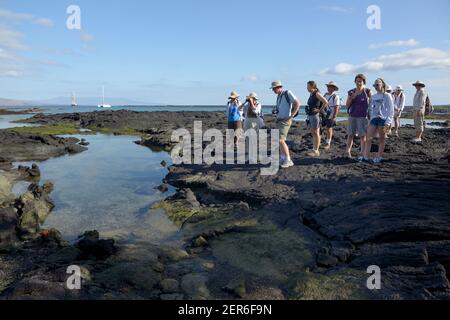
x,y
234,115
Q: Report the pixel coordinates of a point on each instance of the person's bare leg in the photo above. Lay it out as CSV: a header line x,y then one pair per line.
x,y
318,139
368,141
284,149
363,144
330,135
382,143
348,151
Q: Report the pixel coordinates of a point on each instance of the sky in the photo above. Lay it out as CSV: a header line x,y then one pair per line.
x,y
195,52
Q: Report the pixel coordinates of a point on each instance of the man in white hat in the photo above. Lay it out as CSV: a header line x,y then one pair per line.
x,y
286,110
419,109
334,105
399,106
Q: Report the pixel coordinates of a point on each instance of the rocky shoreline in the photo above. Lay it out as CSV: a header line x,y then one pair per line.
x,y
308,232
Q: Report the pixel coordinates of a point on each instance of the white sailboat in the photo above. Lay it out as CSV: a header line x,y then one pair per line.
x,y
74,103
103,105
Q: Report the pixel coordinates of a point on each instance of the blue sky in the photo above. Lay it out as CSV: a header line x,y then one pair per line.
x,y
197,51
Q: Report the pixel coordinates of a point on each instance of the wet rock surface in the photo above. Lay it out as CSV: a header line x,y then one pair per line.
x,y
307,232
16,146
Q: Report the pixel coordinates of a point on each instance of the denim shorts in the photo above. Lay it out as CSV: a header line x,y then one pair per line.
x,y
313,121
378,123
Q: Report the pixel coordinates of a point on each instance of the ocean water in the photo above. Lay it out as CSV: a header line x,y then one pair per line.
x,y
109,188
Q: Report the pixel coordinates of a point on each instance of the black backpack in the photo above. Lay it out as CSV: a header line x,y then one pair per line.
x,y
429,109
289,101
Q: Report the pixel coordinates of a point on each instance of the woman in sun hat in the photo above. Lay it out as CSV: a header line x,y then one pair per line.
x,y
399,105
252,112
334,105
381,110
234,109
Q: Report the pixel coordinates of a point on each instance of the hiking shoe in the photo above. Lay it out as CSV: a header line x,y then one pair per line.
x,y
417,140
313,154
327,147
363,159
287,164
377,160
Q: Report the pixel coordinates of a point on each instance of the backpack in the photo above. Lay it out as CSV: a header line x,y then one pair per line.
x,y
289,101
233,111
429,109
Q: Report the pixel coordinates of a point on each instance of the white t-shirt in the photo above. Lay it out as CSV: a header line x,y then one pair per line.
x,y
333,101
382,106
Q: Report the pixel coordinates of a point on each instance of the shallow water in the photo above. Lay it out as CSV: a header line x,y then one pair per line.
x,y
6,121
110,188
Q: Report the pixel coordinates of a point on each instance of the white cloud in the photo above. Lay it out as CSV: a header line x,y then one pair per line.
x,y
10,39
397,43
24,17
412,59
336,9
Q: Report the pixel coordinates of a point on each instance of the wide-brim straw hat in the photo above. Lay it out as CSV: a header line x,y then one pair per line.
x,y
332,84
419,83
276,84
399,88
389,88
253,95
234,95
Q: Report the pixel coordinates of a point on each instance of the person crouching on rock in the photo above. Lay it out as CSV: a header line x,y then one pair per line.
x,y
334,105
234,108
252,113
381,110
358,104
316,105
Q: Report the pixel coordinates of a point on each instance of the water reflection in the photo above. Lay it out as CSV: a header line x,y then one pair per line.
x,y
110,188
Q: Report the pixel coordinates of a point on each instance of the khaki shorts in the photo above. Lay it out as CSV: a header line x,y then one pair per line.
x,y
357,126
284,127
419,118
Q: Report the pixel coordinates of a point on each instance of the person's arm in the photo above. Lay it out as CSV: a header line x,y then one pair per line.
x,y
323,100
295,107
390,110
252,105
402,102
337,108
351,97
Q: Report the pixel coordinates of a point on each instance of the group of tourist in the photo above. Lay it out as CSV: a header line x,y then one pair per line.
x,y
370,115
